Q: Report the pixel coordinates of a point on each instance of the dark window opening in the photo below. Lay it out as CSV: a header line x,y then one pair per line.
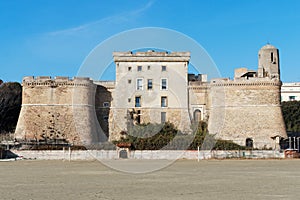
x,y
149,84
292,98
164,84
138,101
272,57
249,142
164,102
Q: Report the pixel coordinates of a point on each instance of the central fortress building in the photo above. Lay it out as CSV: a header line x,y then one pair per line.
x,y
155,87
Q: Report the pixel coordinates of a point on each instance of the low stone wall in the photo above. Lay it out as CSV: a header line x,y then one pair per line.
x,y
163,154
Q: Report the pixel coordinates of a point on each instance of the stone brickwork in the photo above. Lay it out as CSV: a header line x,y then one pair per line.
x,y
247,110
148,86
58,109
103,99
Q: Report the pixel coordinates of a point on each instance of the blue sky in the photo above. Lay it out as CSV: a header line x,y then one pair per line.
x,y
53,38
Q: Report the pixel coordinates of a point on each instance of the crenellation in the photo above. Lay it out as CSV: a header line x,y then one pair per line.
x,y
245,108
57,81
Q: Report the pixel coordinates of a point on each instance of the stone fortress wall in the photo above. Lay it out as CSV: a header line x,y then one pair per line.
x,y
250,110
58,109
245,110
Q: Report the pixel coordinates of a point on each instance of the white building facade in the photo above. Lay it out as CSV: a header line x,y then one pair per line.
x,y
290,91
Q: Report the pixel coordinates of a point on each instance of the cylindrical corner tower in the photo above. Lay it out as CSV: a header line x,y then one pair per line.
x,y
57,109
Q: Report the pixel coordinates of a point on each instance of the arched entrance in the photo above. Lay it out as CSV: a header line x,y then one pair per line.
x,y
123,154
197,115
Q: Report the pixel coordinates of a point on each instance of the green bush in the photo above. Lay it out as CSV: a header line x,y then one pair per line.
x,y
291,115
167,136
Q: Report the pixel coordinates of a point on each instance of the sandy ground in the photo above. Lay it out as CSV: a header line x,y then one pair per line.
x,y
184,179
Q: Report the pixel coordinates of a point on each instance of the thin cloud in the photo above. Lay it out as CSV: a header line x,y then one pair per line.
x,y
115,18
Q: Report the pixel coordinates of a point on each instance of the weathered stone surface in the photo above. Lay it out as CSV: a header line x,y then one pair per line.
x,y
58,109
247,107
247,111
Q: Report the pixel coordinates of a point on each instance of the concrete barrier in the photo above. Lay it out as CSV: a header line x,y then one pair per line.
x,y
138,154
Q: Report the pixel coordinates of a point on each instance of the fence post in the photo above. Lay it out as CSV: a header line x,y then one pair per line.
x,y
198,157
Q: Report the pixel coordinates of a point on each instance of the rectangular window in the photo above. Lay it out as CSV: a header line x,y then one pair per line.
x,y
149,67
129,100
129,81
149,84
163,68
129,69
163,117
139,84
164,84
164,102
138,101
292,98
139,68
106,104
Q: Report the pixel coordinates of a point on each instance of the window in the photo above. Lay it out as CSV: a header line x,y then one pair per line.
x,y
149,84
249,143
271,56
138,101
164,84
106,104
164,102
129,81
163,68
163,117
139,84
149,67
105,119
139,68
292,98
129,100
129,69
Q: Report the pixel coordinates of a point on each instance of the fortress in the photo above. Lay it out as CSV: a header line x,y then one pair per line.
x,y
155,87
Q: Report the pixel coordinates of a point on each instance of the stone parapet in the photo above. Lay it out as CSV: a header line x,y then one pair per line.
x,y
57,81
151,56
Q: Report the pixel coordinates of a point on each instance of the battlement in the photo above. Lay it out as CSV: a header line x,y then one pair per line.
x,y
57,81
245,82
151,56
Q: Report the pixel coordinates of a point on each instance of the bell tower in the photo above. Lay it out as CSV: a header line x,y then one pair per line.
x,y
268,62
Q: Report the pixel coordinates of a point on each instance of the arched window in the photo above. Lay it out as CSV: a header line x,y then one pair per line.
x,y
197,115
249,142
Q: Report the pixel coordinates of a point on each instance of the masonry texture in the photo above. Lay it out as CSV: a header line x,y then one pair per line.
x,y
155,87
58,109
